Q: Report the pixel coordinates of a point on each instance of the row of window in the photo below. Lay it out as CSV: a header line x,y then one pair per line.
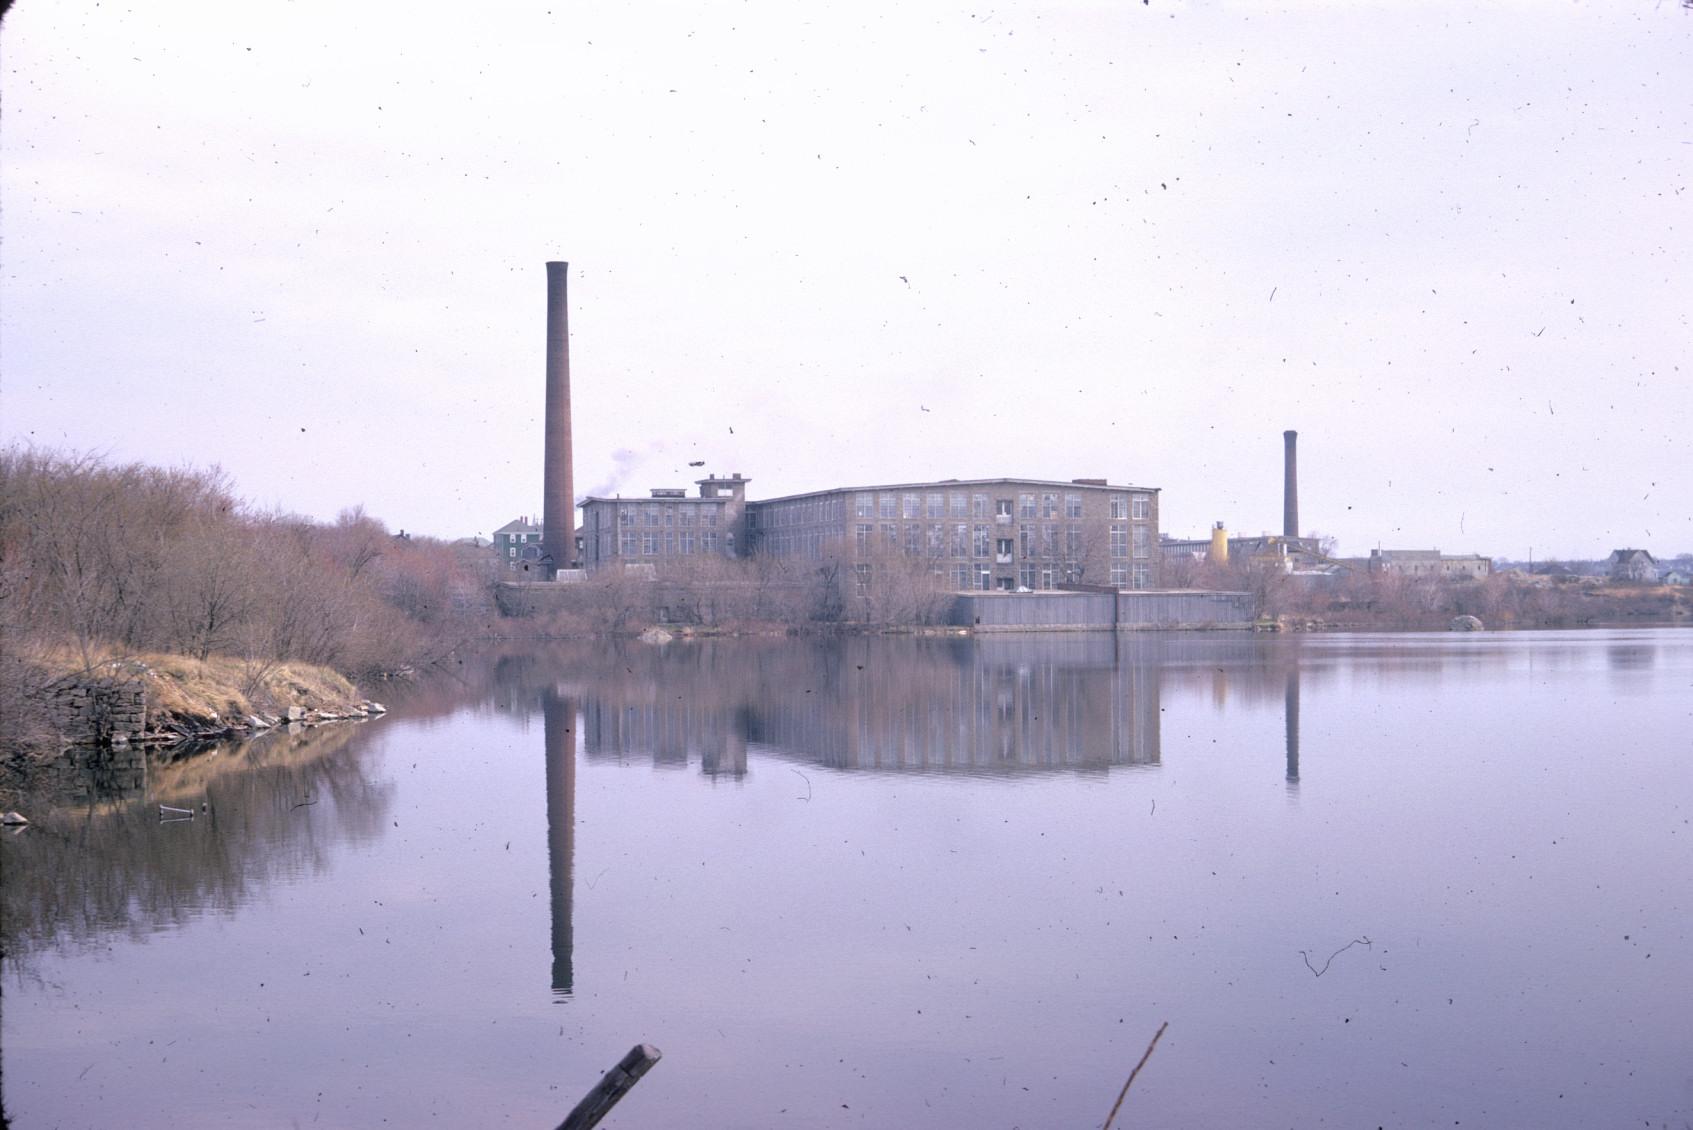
x,y
958,505
1034,577
666,543
653,514
962,540
804,513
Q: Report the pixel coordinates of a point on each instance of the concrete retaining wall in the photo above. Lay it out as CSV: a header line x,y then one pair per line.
x,y
1102,611
1034,611
1179,609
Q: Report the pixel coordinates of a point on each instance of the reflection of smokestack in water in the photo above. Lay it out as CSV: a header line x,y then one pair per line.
x,y
1290,485
559,719
1291,709
558,500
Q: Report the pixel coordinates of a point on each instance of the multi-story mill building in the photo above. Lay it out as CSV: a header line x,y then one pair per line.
x,y
668,526
973,533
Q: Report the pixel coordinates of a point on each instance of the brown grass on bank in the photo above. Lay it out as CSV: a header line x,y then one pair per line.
x,y
217,688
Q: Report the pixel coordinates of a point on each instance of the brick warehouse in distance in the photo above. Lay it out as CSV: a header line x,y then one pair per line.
x,y
974,534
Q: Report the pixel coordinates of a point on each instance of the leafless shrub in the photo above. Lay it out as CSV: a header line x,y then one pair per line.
x,y
103,558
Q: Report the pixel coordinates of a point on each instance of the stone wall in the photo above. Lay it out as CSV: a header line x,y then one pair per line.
x,y
98,711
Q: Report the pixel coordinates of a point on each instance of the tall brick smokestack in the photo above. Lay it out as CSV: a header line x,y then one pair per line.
x,y
1290,485
558,498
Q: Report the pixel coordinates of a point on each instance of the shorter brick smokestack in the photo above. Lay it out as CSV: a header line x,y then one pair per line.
x,y
1290,485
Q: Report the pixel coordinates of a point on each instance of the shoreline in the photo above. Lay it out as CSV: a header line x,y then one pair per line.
x,y
159,701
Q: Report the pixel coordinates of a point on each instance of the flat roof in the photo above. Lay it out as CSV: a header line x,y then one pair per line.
x,y
587,498
934,484
930,484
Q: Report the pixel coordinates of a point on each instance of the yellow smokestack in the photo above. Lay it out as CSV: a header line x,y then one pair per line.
x,y
1219,545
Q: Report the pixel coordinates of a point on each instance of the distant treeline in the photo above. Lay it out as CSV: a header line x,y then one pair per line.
x,y
98,559
1572,567
1366,600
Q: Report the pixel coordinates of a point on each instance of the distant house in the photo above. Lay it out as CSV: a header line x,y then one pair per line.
x,y
1677,577
1631,565
1429,563
518,545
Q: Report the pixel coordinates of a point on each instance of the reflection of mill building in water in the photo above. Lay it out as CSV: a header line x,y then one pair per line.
x,y
976,706
672,731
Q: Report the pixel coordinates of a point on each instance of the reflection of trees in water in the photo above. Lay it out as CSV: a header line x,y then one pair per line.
x,y
1253,669
1250,669
108,865
1631,656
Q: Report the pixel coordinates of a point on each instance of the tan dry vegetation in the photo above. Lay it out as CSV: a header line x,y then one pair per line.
x,y
217,688
882,589
192,777
105,560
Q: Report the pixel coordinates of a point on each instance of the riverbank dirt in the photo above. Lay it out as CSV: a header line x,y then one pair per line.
x,y
220,695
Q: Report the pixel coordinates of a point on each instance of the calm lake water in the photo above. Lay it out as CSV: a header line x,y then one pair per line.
x,y
1367,880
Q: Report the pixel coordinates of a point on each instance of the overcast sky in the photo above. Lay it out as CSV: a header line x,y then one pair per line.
x,y
826,244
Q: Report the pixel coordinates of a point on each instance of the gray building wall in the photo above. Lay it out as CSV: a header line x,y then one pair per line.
x,y
1429,563
977,534
1102,612
667,525
1184,608
973,533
